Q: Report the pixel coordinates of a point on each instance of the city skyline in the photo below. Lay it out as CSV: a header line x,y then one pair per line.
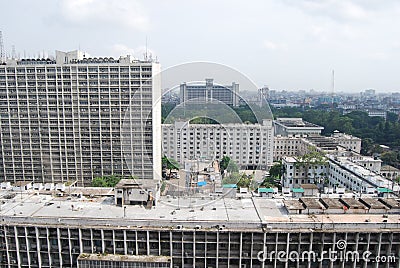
x,y
287,44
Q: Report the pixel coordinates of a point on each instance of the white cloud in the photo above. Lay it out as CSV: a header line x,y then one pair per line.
x,y
274,45
126,13
378,56
334,9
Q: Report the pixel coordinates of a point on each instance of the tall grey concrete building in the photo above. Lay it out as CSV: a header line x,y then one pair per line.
x,y
65,119
208,91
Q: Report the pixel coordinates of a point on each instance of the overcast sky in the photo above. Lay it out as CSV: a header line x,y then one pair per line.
x,y
285,44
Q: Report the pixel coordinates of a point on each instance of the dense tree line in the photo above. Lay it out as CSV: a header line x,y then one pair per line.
x,y
244,112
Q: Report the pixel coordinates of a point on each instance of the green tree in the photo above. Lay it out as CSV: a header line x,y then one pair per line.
x,y
389,158
232,178
240,179
169,163
276,171
270,182
232,167
228,164
106,181
311,159
244,181
99,182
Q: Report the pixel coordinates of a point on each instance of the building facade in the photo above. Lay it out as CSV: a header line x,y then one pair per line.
x,y
75,118
354,176
296,126
347,141
299,145
222,234
249,145
297,173
209,92
286,146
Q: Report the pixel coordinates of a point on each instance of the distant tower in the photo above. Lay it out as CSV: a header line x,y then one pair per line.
x,y
263,94
13,53
2,54
333,88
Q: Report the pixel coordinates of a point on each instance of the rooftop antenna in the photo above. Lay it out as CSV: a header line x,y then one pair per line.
x,y
13,54
333,88
145,57
2,55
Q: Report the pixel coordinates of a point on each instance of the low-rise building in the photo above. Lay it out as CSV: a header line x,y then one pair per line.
x,y
140,191
310,189
266,192
312,206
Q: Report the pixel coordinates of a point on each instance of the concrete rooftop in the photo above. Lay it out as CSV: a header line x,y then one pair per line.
x,y
171,212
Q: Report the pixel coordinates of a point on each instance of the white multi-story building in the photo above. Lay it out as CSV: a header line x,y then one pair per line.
x,y
368,162
249,145
286,146
297,172
63,119
338,171
346,173
347,141
299,144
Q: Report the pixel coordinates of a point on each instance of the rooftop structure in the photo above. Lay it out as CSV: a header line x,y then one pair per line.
x,y
322,143
295,126
137,191
300,144
66,231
